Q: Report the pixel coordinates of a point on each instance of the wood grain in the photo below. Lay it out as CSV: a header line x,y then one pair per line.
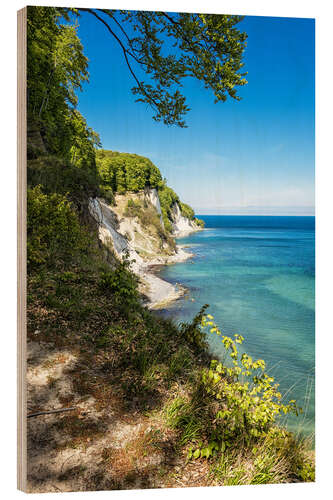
x,y
21,248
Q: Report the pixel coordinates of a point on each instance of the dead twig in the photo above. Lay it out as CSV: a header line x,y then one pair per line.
x,y
47,412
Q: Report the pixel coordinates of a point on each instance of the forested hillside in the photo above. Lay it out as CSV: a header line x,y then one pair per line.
x,y
122,172
147,406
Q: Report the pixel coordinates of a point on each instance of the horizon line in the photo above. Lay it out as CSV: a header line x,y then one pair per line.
x,y
253,215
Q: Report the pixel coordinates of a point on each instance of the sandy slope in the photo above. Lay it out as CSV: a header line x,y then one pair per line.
x,y
143,247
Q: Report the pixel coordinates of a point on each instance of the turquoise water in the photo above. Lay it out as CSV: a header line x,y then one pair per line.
x,y
257,273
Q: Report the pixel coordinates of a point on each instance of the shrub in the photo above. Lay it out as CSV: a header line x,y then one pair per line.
x,y
131,203
107,193
199,222
192,332
149,217
167,198
186,211
166,220
242,401
133,208
122,172
121,283
56,176
54,233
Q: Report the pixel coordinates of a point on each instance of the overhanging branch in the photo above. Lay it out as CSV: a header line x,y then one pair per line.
x,y
125,52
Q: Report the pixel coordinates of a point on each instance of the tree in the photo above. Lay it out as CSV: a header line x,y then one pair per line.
x,y
57,68
127,172
161,49
61,148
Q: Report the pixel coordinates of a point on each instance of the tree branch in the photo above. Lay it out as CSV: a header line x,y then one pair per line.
x,y
105,11
125,52
180,33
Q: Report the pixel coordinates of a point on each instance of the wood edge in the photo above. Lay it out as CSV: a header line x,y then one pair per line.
x,y
21,249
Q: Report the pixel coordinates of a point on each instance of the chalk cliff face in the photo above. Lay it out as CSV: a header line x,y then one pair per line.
x,y
182,226
143,244
110,233
127,234
153,198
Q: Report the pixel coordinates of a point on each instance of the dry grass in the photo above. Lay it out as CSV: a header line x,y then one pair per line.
x,y
121,368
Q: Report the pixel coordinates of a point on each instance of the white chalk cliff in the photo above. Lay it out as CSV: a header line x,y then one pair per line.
x,y
181,226
153,198
125,236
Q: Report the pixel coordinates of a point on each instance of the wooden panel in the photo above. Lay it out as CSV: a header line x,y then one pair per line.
x,y
21,247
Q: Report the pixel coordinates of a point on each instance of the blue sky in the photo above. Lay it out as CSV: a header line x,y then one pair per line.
x,y
255,156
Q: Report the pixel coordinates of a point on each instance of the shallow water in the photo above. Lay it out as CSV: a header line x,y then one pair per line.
x,y
257,273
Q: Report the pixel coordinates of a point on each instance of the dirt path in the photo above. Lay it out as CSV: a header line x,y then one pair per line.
x,y
99,445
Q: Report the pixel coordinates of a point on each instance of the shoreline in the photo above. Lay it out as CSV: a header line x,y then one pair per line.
x,y
114,229
159,292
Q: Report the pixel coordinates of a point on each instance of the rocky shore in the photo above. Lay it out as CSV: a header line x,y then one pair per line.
x,y
159,293
127,237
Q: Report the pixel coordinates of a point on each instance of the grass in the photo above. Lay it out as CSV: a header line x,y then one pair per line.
x,y
134,363
151,223
264,464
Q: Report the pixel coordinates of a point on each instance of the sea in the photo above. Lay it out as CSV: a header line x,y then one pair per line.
x,y
257,273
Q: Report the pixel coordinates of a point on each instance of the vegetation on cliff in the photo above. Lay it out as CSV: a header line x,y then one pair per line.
x,y
122,172
201,423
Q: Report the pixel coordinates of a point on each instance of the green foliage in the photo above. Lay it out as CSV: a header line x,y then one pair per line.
x,y
225,409
199,222
281,456
61,147
306,471
56,48
56,69
123,172
126,172
149,217
121,283
246,402
182,415
186,211
169,47
54,233
181,360
230,419
107,193
193,333
55,176
131,203
133,208
167,199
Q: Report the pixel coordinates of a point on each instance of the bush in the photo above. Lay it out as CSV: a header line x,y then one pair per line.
x,y
121,283
192,332
133,208
54,233
149,217
242,402
199,222
166,220
186,211
107,193
167,198
56,176
122,172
